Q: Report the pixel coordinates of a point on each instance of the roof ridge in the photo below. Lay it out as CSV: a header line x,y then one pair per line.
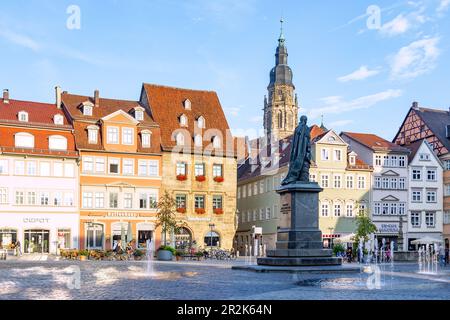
x,y
27,101
431,109
177,88
101,98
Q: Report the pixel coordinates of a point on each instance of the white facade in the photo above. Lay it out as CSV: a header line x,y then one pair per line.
x,y
39,202
425,203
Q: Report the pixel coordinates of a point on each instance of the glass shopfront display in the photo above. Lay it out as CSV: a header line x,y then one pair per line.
x,y
94,236
8,238
64,239
36,241
183,239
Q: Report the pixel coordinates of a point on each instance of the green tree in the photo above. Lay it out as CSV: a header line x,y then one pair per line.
x,y
364,227
166,216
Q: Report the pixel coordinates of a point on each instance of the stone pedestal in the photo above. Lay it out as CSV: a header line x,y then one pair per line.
x,y
301,243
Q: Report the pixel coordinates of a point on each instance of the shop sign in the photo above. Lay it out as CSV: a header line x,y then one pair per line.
x,y
36,220
388,228
123,214
198,219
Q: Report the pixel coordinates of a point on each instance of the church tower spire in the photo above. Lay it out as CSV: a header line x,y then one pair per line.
x,y
281,107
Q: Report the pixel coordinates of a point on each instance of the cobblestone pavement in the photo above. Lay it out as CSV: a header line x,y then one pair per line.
x,y
206,281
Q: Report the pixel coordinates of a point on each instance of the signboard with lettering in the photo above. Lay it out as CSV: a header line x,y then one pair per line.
x,y
387,227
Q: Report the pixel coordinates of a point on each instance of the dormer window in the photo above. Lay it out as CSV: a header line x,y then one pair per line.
x,y
58,119
216,142
352,160
87,108
57,143
198,141
183,121
146,138
201,122
187,104
139,113
23,116
92,134
23,140
180,139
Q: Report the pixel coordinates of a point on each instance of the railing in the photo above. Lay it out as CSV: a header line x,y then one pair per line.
x,y
34,151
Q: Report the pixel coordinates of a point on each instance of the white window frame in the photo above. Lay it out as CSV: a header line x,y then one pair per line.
x,y
128,136
125,164
110,160
111,133
57,142
24,140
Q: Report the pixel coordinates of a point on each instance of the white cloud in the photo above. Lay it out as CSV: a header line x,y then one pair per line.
x,y
362,73
415,59
337,105
443,6
19,39
404,22
340,123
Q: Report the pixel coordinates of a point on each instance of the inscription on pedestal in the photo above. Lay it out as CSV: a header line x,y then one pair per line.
x,y
284,220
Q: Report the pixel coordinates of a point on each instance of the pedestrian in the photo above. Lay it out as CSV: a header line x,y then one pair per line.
x,y
349,255
441,256
18,248
446,255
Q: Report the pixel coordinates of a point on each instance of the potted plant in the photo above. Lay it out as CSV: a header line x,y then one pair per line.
x,y
218,211
181,210
83,254
181,177
218,179
200,210
200,178
199,255
138,254
338,249
179,254
166,219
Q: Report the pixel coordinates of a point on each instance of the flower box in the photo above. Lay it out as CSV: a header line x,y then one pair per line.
x,y
181,177
200,178
181,210
200,210
218,211
218,179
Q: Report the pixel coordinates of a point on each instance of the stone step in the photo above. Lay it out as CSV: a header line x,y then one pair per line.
x,y
299,245
300,253
303,261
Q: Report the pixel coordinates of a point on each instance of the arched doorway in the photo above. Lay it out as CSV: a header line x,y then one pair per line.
x,y
183,238
212,239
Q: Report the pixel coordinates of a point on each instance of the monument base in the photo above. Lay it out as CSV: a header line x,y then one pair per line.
x,y
301,244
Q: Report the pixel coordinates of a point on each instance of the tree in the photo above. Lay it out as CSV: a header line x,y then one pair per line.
x,y
166,216
364,227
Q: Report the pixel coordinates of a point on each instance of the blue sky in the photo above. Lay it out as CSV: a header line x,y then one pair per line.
x,y
361,79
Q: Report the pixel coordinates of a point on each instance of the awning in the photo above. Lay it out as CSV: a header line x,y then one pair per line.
x,y
346,239
426,240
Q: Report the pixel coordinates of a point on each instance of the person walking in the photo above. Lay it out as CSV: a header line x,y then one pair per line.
x,y
18,248
441,256
446,255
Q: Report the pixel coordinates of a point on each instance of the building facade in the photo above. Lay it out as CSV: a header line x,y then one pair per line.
x,y
389,184
425,201
120,172
39,179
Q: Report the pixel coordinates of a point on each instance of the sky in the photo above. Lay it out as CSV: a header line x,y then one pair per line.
x,y
360,64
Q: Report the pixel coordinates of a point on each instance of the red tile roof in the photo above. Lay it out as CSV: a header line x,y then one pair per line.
x,y
167,105
375,142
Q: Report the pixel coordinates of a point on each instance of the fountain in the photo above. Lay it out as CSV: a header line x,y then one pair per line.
x,y
428,260
150,269
360,250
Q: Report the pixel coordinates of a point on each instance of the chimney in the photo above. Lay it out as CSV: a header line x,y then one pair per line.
x,y
5,96
96,98
415,105
58,97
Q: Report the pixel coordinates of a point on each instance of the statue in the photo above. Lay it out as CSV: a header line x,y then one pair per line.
x,y
300,160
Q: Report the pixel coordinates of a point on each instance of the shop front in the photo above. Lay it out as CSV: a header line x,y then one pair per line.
x,y
39,233
387,232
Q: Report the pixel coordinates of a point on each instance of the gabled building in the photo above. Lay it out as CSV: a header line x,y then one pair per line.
x,y
431,125
425,199
389,184
120,174
199,162
38,177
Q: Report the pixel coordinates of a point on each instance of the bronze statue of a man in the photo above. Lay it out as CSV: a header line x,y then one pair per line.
x,y
300,160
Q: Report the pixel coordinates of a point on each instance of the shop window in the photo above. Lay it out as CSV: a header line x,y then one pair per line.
x,y
94,236
212,239
7,238
64,239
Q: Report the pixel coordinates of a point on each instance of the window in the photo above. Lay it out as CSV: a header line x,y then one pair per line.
x,y
217,170
139,115
349,182
349,211
261,186
142,201
128,167
325,209
201,122
255,189
57,199
199,169
386,161
394,183
198,140
127,136
114,166
4,166
153,168
352,160
187,104
217,202
94,235
377,208
69,170
68,199
180,139
31,198
324,181
20,197
99,200
100,165
402,161
88,164
128,200
112,135
31,168
58,169
45,198
261,214
217,142
430,219
64,238
3,195
446,217
378,160
19,167
146,139
153,201
385,208
385,183
87,199
337,210
24,140
268,213
424,157
393,209
378,182
199,202
361,182
446,189
113,200
183,121
312,177
92,136
431,196
181,168
23,116
416,174
57,143
337,155
394,161
87,110
431,174
417,196
337,181
415,219
181,201
401,184
325,154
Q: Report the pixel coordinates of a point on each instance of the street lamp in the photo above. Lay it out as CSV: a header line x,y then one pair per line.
x,y
211,226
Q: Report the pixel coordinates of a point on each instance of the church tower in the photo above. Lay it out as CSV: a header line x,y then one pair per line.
x,y
281,106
